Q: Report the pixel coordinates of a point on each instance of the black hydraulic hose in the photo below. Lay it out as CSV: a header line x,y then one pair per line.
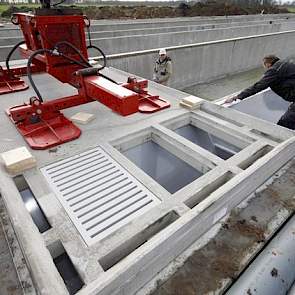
x,y
81,56
74,48
88,24
84,62
11,52
39,51
73,60
30,62
103,55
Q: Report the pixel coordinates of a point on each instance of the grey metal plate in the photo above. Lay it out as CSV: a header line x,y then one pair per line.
x,y
35,210
264,105
98,194
207,141
168,170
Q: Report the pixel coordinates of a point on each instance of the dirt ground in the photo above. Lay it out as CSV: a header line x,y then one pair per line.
x,y
141,11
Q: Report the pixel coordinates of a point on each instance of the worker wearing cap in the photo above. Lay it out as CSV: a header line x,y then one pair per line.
x,y
280,77
163,68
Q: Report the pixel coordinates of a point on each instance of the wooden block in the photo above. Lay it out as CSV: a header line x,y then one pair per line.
x,y
18,160
191,102
82,118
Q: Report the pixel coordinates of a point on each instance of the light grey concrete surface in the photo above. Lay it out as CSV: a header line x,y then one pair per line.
x,y
179,28
117,32
15,278
231,83
9,282
277,25
114,45
148,37
148,41
155,23
206,61
113,25
199,205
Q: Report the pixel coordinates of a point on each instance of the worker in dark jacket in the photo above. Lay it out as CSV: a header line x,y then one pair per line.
x,y
280,77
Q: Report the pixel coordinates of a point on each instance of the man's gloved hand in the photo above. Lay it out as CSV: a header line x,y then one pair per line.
x,y
231,99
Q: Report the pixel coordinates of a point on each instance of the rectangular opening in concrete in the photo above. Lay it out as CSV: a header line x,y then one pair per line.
x,y
168,170
256,156
65,267
138,240
208,141
208,189
31,204
266,135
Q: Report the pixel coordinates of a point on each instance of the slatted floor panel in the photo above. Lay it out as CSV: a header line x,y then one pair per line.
x,y
98,194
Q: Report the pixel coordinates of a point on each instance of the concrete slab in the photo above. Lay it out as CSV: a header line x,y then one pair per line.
x,y
124,261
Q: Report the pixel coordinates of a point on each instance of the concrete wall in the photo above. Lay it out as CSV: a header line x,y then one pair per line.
x,y
111,25
134,43
9,34
205,61
125,25
176,28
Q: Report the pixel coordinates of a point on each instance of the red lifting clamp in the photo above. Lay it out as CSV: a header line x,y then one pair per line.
x,y
55,42
10,83
147,103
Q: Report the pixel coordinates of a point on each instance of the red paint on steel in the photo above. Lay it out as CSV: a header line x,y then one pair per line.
x,y
41,123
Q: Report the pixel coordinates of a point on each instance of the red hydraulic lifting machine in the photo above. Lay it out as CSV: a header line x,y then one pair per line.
x,y
54,41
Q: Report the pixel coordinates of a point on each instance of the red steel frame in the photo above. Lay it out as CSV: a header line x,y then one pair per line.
x,y
41,123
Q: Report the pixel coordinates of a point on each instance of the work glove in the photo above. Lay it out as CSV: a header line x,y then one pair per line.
x,y
231,99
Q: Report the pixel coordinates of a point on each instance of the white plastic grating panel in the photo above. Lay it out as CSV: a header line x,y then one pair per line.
x,y
98,194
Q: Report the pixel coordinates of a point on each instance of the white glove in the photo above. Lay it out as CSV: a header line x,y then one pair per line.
x,y
230,99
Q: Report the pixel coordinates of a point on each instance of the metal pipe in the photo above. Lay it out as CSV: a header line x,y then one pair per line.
x,y
273,271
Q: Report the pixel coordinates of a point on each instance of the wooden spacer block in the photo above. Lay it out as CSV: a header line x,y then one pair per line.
x,y
82,118
191,102
18,160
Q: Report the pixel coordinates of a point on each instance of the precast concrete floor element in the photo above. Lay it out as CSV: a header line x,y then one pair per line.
x,y
126,258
